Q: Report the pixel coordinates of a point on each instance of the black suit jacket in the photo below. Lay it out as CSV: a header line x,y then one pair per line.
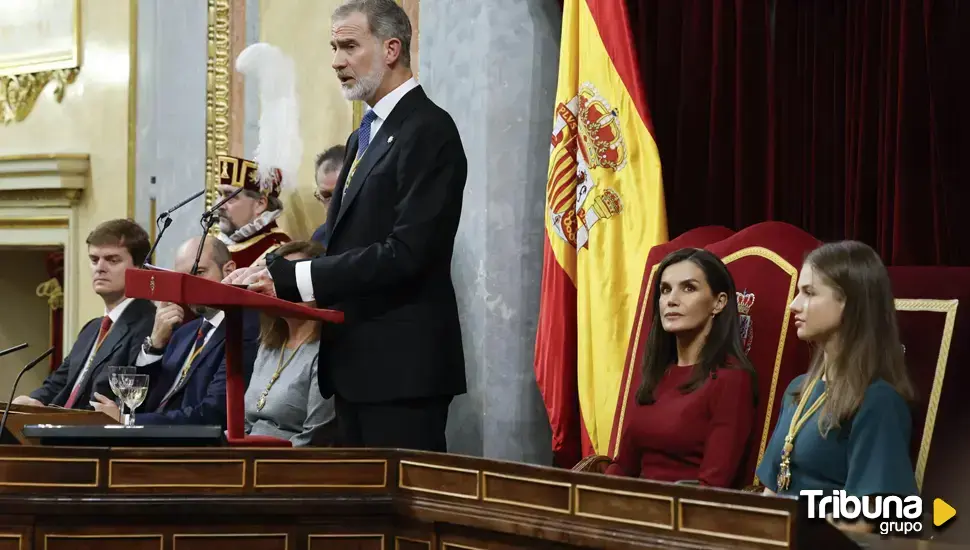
x,y
120,348
388,262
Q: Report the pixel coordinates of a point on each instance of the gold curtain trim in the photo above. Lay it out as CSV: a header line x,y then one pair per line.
x,y
51,289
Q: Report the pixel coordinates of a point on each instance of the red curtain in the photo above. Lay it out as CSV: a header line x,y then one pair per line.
x,y
848,119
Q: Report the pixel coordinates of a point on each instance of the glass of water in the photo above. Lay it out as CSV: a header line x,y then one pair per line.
x,y
117,380
137,390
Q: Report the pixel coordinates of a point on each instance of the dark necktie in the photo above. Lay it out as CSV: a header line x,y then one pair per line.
x,y
200,335
363,140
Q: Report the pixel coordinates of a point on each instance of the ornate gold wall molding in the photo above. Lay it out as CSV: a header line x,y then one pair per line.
x,y
19,93
217,96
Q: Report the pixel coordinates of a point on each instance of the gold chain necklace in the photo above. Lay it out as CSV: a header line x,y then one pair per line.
x,y
797,421
261,402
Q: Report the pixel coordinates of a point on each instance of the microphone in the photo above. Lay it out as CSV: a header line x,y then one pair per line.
x,y
208,213
207,220
13,390
164,220
18,347
194,196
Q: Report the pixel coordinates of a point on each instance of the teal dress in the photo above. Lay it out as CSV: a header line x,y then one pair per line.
x,y
868,455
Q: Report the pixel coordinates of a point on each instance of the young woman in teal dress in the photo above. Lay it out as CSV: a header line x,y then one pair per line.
x,y
846,424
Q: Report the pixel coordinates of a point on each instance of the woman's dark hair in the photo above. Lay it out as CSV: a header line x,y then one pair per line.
x,y
723,348
869,347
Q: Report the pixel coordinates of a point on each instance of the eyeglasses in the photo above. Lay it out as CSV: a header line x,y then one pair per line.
x,y
320,197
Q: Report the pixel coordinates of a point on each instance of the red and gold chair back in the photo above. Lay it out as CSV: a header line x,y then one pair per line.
x,y
764,261
933,310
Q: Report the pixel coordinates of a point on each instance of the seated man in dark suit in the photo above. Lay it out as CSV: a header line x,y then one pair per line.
x,y
187,363
326,170
115,338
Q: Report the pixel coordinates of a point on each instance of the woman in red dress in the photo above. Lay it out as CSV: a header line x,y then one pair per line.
x,y
698,395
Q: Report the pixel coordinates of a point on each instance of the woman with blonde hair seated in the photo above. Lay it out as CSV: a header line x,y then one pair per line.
x,y
283,399
696,402
846,424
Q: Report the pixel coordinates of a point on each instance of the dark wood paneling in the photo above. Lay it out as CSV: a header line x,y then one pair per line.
x,y
295,474
408,543
41,472
230,541
439,479
535,493
625,507
734,523
174,473
9,541
103,542
346,542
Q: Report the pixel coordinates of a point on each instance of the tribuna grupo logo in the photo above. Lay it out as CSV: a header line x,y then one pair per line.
x,y
895,515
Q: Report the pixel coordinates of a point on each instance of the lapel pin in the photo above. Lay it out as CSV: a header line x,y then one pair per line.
x,y
390,139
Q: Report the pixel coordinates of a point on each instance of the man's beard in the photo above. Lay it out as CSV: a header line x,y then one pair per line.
x,y
226,226
365,86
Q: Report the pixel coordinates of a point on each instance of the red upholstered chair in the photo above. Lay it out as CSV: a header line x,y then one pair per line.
x,y
764,261
695,238
933,309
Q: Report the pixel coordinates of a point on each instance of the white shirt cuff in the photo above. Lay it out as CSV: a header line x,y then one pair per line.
x,y
304,281
145,359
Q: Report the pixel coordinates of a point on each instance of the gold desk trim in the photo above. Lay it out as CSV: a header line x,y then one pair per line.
x,y
446,545
561,484
401,485
161,538
397,542
759,540
177,536
380,536
257,462
149,461
948,307
645,496
97,471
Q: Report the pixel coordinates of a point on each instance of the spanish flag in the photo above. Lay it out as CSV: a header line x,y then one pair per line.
x,y
604,211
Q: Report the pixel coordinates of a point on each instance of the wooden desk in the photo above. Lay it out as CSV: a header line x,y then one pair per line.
x,y
58,498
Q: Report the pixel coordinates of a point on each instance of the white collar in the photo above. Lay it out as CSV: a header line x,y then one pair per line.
x,y
387,103
115,313
216,319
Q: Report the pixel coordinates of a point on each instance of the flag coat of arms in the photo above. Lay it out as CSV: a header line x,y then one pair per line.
x,y
604,211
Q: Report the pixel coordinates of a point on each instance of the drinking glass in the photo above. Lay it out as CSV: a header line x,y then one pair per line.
x,y
137,385
117,381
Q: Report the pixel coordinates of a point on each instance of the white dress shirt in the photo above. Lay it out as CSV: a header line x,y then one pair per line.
x,y
383,108
114,315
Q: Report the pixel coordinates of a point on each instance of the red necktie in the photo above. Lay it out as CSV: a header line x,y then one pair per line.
x,y
105,327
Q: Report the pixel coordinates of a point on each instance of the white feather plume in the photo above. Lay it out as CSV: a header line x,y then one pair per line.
x,y
279,145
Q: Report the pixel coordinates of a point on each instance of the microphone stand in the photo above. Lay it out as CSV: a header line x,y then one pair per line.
x,y
164,220
13,390
208,218
12,349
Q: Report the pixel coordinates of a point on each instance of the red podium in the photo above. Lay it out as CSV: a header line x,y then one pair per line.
x,y
181,288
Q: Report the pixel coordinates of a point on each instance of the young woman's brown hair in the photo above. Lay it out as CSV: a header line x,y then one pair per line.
x,y
866,343
273,331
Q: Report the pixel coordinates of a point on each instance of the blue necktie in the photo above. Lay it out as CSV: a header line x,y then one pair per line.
x,y
363,134
363,140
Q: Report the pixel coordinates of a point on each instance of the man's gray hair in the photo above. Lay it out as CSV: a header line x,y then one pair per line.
x,y
386,19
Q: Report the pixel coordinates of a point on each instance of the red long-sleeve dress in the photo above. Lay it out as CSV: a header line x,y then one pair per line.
x,y
703,435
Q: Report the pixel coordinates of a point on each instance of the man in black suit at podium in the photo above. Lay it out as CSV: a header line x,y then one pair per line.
x,y
115,338
397,361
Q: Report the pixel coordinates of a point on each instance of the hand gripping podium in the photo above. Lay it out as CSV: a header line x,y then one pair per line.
x,y
181,288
